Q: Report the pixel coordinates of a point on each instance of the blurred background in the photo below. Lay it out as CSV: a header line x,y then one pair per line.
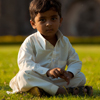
x,y
81,20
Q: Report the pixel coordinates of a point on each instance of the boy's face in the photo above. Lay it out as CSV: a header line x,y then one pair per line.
x,y
47,23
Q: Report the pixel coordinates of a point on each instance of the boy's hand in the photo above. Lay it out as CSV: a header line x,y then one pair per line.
x,y
58,72
55,73
67,76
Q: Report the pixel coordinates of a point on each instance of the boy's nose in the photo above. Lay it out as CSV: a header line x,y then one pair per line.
x,y
48,23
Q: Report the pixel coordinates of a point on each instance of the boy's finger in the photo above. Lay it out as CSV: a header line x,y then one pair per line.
x,y
57,73
65,74
68,80
61,76
62,71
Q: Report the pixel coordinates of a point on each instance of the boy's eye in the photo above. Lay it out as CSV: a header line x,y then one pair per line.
x,y
54,18
42,20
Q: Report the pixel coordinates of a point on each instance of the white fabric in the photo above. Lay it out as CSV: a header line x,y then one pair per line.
x,y
36,56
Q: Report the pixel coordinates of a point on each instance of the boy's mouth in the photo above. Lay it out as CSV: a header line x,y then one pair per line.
x,y
49,30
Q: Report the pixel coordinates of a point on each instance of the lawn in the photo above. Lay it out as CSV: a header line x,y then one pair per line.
x,y
88,54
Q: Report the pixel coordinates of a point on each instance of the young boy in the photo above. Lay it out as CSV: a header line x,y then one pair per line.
x,y
44,55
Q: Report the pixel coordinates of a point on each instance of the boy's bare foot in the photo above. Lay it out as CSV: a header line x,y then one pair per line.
x,y
81,90
61,91
76,91
65,91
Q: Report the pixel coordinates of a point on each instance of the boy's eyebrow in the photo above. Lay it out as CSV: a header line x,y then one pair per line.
x,y
42,17
50,16
54,15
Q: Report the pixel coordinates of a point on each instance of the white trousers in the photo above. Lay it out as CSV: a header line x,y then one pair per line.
x,y
25,80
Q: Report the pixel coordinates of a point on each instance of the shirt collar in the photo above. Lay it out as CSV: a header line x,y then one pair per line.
x,y
42,40
59,34
60,37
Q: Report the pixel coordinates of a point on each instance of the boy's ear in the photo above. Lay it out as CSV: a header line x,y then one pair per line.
x,y
33,24
61,19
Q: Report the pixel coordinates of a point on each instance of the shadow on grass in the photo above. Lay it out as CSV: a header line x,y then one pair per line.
x,y
5,88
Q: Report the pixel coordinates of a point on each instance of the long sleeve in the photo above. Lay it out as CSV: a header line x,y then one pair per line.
x,y
26,58
73,62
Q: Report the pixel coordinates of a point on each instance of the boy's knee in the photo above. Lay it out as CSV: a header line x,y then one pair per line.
x,y
81,77
22,79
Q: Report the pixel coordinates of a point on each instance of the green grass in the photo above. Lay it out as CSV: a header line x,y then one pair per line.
x,y
88,54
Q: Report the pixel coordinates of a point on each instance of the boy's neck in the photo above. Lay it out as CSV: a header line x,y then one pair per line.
x,y
51,39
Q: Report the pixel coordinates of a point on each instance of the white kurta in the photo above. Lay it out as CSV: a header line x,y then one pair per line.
x,y
36,56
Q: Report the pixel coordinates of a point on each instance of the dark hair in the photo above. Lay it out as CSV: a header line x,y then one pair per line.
x,y
40,6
